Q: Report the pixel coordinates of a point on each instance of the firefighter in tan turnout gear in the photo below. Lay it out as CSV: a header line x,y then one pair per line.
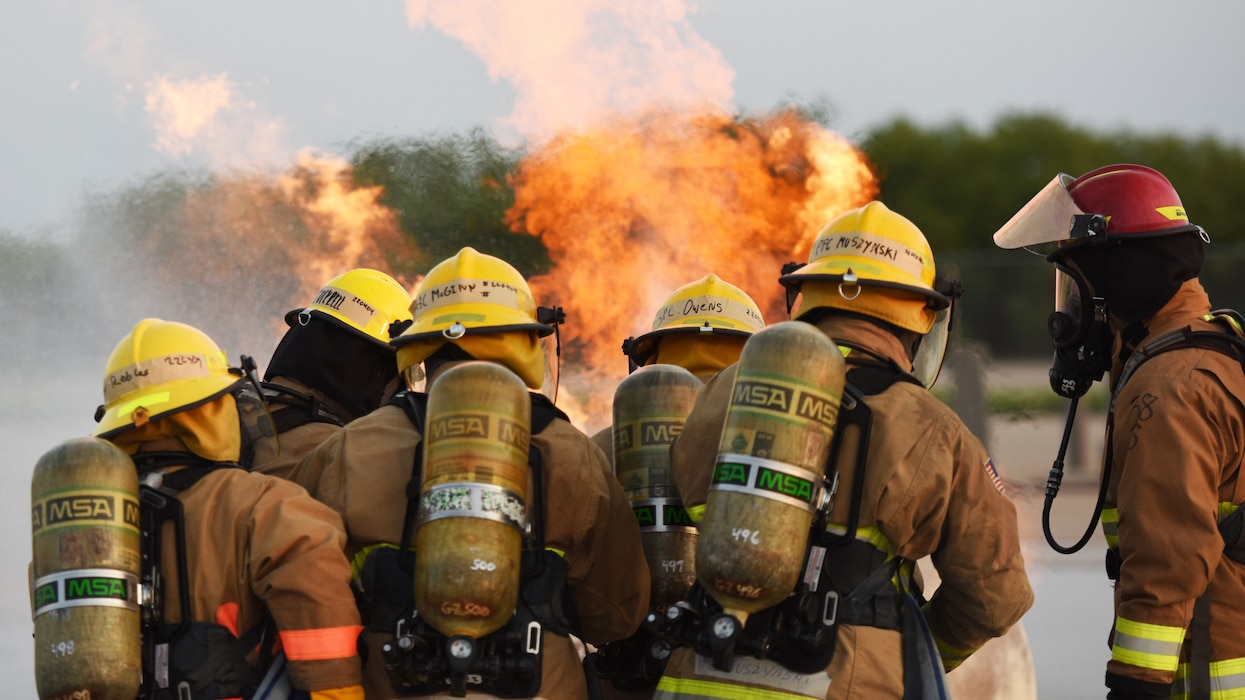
x,y
700,327
333,365
1129,301
583,570
906,479
260,555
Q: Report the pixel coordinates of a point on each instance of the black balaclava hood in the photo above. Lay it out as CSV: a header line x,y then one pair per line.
x,y
351,370
1138,277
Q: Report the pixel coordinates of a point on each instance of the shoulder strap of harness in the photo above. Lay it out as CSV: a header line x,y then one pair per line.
x,y
543,413
310,409
1230,341
416,407
868,376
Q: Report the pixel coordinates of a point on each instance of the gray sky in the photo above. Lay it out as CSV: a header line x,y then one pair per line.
x,y
99,93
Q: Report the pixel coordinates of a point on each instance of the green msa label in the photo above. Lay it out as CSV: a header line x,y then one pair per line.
x,y
766,478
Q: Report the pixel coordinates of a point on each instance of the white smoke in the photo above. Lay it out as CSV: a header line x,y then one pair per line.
x,y
573,62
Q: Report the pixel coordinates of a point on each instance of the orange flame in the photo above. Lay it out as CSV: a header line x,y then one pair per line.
x,y
637,208
352,228
227,251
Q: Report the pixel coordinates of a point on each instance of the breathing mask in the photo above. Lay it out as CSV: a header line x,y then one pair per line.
x,y
1080,332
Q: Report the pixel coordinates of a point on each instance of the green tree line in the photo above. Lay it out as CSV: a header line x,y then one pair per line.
x,y
960,185
447,190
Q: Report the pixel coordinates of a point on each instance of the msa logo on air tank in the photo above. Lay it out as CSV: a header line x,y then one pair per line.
x,y
659,432
764,395
622,437
461,426
670,515
84,509
82,588
477,426
772,480
785,400
786,484
652,433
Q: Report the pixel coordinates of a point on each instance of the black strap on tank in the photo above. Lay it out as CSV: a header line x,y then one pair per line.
x,y
416,407
306,408
543,413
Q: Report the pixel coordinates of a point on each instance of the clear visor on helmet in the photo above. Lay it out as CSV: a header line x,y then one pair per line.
x,y
927,364
551,350
932,350
1045,222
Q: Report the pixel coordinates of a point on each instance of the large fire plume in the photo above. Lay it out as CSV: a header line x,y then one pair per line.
x,y
640,206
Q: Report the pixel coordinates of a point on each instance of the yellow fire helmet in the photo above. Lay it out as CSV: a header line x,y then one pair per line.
x,y
364,301
708,306
161,368
871,261
471,299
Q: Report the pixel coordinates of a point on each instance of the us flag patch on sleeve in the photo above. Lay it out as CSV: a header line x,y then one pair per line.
x,y
994,476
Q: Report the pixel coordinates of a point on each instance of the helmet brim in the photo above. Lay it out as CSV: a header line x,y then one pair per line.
x,y
120,418
936,300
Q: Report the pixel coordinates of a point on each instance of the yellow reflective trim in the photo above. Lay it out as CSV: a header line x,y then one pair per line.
x,y
1110,520
1226,509
871,535
1229,319
696,512
1227,680
714,689
1147,645
1141,659
845,350
147,401
1227,667
356,562
1148,630
558,552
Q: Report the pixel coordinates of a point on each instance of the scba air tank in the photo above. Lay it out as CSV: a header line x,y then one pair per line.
x,y
85,570
767,482
470,538
650,407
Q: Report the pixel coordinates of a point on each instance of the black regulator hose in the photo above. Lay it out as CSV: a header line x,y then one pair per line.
x,y
1054,479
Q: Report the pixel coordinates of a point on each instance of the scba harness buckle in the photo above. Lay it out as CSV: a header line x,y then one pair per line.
x,y
506,663
799,633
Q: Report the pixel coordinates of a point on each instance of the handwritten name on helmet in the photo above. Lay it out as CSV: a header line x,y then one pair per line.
x,y
464,291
